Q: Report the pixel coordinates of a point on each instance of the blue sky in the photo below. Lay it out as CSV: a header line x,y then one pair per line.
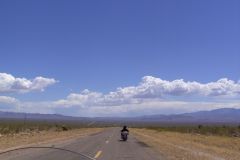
x,y
103,45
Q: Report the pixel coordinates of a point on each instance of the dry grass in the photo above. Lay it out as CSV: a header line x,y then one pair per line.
x,y
174,145
31,138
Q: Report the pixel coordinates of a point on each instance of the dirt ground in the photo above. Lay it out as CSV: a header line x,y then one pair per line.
x,y
181,146
33,138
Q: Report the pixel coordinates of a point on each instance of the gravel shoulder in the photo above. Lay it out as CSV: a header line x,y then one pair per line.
x,y
44,137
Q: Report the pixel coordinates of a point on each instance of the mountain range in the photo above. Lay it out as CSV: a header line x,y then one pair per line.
x,y
223,115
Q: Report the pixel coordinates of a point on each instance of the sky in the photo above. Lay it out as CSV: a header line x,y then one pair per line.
x,y
119,58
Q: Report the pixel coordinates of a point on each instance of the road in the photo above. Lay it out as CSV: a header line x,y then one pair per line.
x,y
105,145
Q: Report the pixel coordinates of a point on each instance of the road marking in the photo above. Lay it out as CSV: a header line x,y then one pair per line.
x,y
98,154
107,141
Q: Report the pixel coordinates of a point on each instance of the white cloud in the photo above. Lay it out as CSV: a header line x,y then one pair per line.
x,y
155,107
9,83
151,96
87,99
152,88
8,100
146,107
156,87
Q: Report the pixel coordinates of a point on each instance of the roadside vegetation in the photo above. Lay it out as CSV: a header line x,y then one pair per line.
x,y
14,126
173,145
223,130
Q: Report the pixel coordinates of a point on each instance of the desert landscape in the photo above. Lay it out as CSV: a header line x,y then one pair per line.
x,y
188,146
170,142
119,80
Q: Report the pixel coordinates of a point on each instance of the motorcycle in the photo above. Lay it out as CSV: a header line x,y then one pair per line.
x,y
124,135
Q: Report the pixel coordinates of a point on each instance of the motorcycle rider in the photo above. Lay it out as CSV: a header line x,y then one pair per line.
x,y
124,133
125,129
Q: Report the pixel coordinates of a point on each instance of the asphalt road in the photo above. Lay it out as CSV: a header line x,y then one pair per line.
x,y
105,145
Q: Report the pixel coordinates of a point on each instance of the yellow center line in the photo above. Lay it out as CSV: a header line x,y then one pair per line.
x,y
98,154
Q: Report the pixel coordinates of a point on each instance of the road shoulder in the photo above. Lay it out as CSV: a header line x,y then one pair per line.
x,y
8,142
174,145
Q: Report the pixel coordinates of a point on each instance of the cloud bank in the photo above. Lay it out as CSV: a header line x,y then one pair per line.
x,y
153,88
151,96
8,100
9,83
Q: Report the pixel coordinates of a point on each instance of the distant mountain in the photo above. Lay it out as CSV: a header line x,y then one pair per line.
x,y
37,116
223,115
